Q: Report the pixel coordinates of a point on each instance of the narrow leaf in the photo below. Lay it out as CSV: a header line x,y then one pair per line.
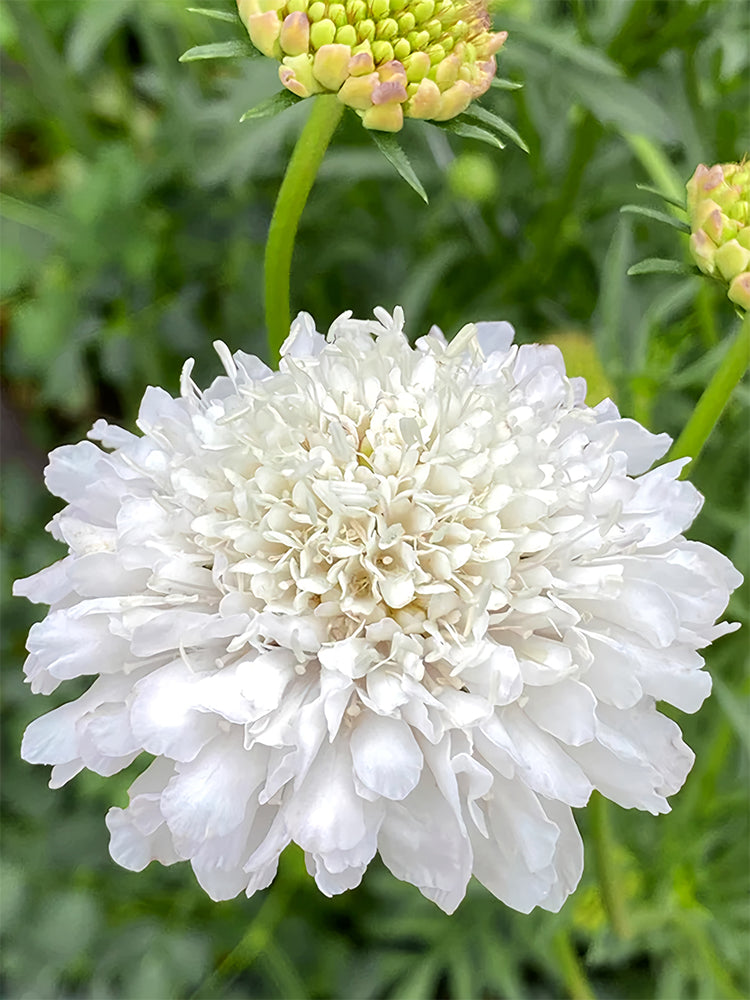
x,y
660,265
495,122
389,147
468,131
272,106
653,213
220,50
501,84
218,15
664,197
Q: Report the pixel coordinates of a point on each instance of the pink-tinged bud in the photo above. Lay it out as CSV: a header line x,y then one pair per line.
x,y
246,9
426,100
384,118
739,291
732,259
356,91
389,92
361,64
496,42
264,30
392,70
445,73
454,100
718,201
703,250
331,65
295,34
296,74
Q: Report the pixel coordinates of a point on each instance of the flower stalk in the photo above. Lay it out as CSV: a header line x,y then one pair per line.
x,y
571,969
715,397
613,896
295,188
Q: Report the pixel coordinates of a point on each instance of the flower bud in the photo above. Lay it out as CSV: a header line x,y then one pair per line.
x,y
718,200
444,42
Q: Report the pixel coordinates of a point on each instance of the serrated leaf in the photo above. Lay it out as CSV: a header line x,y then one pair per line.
x,y
659,265
233,49
664,197
501,84
217,15
653,213
495,122
388,145
469,131
272,106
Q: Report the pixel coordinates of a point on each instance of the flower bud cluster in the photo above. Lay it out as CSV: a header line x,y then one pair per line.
x,y
386,59
719,211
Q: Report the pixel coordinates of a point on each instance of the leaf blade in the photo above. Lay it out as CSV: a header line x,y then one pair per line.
x,y
272,106
392,151
654,213
217,15
233,49
495,122
659,265
467,130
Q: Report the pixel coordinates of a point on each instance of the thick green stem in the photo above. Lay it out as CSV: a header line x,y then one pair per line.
x,y
613,896
715,397
571,969
295,188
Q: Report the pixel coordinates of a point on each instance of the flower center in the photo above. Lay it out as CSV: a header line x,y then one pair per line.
x,y
353,510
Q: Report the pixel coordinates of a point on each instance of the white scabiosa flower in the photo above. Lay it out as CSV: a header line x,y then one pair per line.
x,y
414,601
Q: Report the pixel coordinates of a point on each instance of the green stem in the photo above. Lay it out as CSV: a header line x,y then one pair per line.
x,y
253,943
715,397
613,896
571,969
295,188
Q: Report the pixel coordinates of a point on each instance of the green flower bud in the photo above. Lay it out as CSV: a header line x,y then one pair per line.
x,y
472,176
335,47
718,200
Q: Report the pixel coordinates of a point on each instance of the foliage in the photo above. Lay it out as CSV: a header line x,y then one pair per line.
x,y
135,210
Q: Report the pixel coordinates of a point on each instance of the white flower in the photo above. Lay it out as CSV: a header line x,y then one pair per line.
x,y
410,601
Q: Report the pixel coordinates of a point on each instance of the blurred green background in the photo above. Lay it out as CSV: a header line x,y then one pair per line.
x,y
134,212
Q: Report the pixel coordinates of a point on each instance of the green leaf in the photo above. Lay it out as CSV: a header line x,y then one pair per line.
x,y
468,131
664,197
218,15
496,123
388,145
501,84
220,50
660,265
272,106
653,213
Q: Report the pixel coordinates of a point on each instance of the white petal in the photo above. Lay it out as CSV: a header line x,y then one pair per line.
x,y
385,755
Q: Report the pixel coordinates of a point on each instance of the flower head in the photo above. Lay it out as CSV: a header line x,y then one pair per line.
x,y
719,211
414,601
384,58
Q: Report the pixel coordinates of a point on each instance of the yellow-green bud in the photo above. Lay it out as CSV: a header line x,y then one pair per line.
x,y
331,65
322,32
718,199
473,176
347,35
336,47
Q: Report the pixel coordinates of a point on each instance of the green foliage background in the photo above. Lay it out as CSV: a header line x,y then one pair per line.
x,y
134,214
